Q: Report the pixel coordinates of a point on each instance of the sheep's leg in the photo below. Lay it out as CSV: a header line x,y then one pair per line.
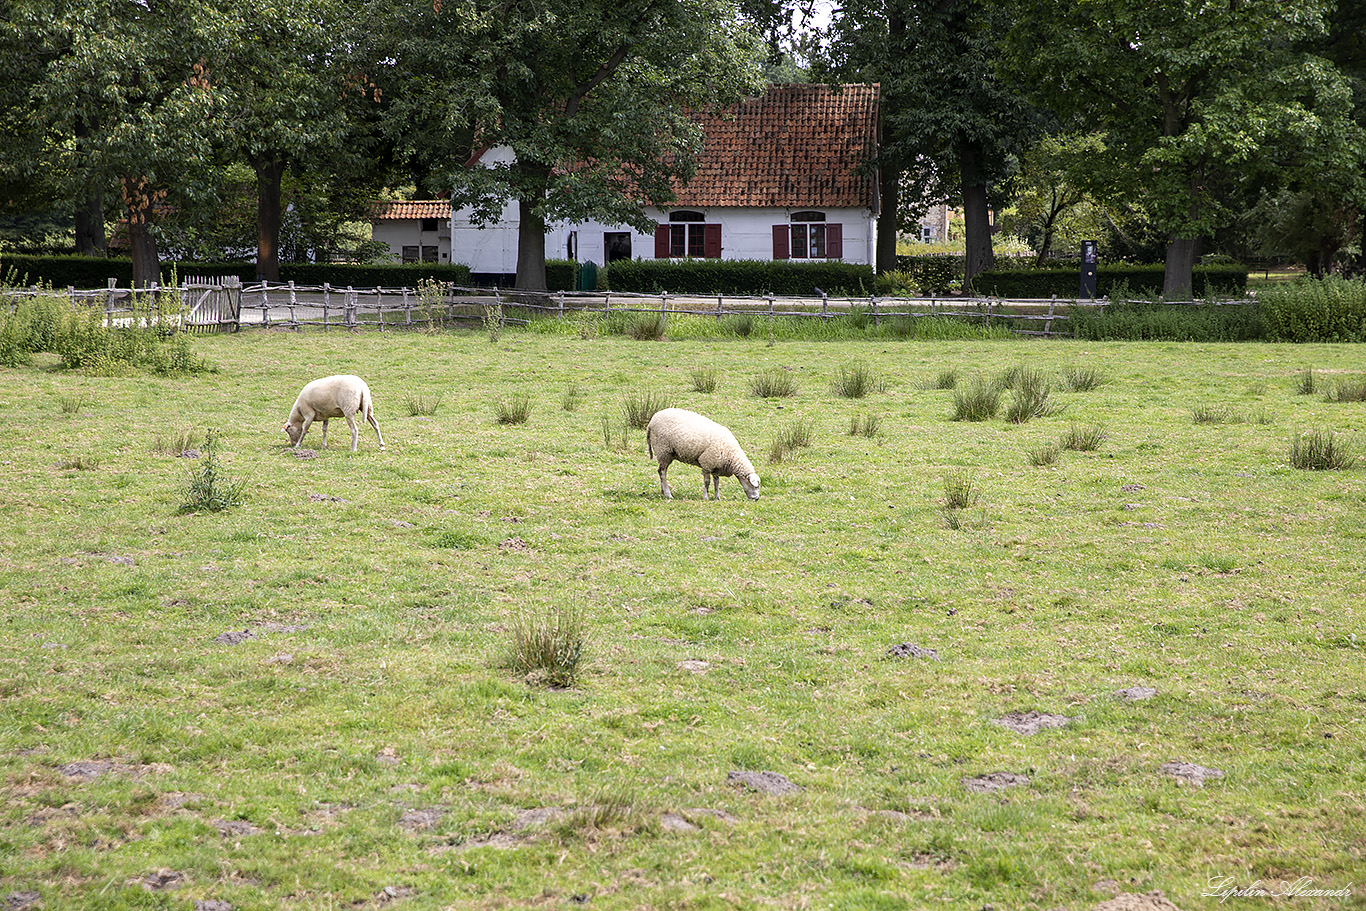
x,y
707,479
370,417
664,481
355,431
308,422
324,432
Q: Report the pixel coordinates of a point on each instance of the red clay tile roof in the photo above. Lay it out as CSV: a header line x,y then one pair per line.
x,y
798,145
418,208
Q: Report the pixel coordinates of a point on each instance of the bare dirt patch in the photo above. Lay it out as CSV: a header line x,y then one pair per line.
x,y
21,901
1153,901
1030,723
90,769
1188,773
994,781
1136,693
763,782
911,650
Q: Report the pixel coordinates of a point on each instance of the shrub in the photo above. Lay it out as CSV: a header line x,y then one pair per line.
x,y
1320,450
210,489
979,402
547,649
736,276
1223,279
854,381
774,383
1315,310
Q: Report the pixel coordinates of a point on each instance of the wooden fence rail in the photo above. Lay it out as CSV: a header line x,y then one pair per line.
x,y
215,305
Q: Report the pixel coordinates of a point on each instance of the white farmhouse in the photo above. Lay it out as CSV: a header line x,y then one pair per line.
x,y
781,176
417,231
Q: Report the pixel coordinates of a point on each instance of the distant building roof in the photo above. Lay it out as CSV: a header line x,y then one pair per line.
x,y
417,208
798,145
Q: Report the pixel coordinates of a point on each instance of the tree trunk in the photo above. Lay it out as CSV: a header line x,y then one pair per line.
x,y
141,200
1178,280
889,197
530,246
270,170
90,239
976,220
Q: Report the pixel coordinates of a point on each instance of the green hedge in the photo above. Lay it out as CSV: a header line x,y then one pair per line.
x,y
1177,322
95,272
1315,310
934,274
1145,280
736,276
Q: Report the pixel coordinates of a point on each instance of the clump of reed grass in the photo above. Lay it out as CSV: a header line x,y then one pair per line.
x,y
864,425
546,648
637,409
1045,455
1320,450
945,379
857,380
646,327
210,489
1350,390
569,401
960,491
1084,439
512,409
606,812
79,463
1307,383
796,436
420,404
1212,414
1031,397
72,402
773,384
1083,379
979,402
175,443
704,379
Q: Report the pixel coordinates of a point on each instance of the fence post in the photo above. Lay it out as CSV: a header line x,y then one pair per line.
x,y
407,308
379,306
663,310
872,302
327,301
607,304
561,305
1048,324
719,306
349,308
825,304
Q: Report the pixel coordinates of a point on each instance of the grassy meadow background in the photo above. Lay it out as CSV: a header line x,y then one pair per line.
x,y
303,702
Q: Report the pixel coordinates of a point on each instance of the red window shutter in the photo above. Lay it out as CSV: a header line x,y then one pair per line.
x,y
662,242
711,242
834,241
780,242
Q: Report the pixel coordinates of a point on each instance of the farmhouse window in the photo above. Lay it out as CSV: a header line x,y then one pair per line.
x,y
808,237
616,245
687,235
430,224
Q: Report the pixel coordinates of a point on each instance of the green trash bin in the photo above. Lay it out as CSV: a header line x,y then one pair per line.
x,y
588,276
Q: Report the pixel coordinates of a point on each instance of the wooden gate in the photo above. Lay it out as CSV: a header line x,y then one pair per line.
x,y
213,304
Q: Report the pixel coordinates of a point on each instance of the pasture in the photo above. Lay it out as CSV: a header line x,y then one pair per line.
x,y
1020,700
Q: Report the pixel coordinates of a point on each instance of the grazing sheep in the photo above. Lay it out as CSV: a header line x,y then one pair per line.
x,y
332,397
688,437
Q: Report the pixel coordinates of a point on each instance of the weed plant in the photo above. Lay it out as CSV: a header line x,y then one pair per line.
x,y
422,405
638,407
1084,439
210,489
491,318
72,402
857,380
795,436
864,425
979,402
704,379
1349,390
1320,450
546,648
774,384
512,409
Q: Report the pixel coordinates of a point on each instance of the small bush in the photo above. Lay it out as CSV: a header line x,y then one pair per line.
x,y
796,436
1083,379
1084,439
514,409
210,489
773,384
547,649
638,409
864,425
979,402
1320,450
854,381
704,379
420,404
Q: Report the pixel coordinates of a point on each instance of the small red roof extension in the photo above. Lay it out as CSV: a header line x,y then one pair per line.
x,y
797,146
418,208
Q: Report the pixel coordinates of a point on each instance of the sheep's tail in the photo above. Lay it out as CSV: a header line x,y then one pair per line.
x,y
649,443
367,403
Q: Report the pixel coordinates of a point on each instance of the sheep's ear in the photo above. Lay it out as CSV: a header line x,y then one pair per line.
x,y
754,480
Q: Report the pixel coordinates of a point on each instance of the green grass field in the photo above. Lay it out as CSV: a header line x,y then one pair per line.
x,y
305,701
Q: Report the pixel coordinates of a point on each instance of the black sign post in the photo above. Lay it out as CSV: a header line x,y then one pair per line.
x,y
1088,269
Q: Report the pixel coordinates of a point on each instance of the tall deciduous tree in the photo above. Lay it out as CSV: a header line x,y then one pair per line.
x,y
592,96
1191,96
950,127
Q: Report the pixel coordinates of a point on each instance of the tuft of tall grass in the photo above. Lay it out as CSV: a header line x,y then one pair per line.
x,y
638,408
979,402
865,425
546,649
513,409
420,404
210,489
1350,390
1212,414
1307,383
569,401
175,443
491,317
1031,397
1083,379
774,383
1045,455
960,491
72,402
646,327
857,380
704,379
945,379
1084,439
1320,450
796,436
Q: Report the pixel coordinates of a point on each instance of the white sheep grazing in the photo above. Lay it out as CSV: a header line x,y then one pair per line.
x,y
332,397
688,437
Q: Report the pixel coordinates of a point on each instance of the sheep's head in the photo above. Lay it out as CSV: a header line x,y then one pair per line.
x,y
293,431
750,483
